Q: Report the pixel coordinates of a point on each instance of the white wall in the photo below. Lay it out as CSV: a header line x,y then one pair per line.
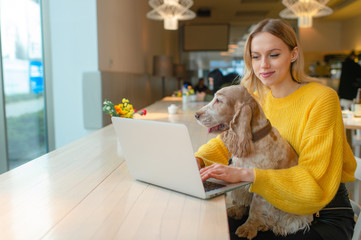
x,y
74,49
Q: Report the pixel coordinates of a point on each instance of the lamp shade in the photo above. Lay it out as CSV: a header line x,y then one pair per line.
x,y
163,66
171,11
305,10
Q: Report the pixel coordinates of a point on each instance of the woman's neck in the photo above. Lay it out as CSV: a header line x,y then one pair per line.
x,y
285,89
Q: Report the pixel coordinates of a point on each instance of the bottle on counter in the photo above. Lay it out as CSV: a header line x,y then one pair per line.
x,y
357,109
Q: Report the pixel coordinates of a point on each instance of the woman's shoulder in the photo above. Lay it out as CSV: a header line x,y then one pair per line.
x,y
316,86
316,90
319,97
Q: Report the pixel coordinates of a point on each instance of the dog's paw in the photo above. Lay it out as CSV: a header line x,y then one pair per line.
x,y
263,228
237,212
278,230
246,232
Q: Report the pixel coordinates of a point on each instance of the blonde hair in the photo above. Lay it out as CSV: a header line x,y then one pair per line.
x,y
284,31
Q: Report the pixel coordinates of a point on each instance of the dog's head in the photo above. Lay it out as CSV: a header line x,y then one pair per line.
x,y
231,113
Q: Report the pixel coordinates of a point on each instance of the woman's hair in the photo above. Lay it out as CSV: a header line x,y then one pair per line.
x,y
285,32
218,79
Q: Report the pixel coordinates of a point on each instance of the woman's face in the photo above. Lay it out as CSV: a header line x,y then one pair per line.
x,y
271,59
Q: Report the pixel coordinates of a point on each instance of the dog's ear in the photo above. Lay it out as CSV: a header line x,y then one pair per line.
x,y
238,138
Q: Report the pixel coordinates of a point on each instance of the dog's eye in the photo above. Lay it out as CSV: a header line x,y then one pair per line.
x,y
217,100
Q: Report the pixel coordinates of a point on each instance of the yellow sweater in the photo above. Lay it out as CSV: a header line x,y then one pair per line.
x,y
310,120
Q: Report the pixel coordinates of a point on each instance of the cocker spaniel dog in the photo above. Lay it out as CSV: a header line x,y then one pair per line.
x,y
253,143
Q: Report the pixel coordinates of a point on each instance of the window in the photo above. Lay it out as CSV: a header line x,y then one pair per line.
x,y
23,81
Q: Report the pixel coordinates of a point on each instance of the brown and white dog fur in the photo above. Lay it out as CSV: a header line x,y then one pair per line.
x,y
237,116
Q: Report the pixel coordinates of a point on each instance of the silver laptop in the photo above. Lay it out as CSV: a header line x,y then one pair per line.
x,y
161,153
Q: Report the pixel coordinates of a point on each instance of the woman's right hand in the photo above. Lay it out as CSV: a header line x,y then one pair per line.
x,y
227,173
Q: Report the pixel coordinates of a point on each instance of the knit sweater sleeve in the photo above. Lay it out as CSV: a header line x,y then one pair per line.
x,y
213,152
309,186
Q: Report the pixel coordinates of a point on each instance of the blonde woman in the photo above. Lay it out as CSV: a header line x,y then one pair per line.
x,y
308,116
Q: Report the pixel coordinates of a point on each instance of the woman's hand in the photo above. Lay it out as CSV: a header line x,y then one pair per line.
x,y
227,173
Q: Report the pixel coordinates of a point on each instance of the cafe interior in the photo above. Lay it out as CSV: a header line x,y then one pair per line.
x,y
213,37
71,180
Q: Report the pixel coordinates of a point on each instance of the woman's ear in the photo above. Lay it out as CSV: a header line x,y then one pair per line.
x,y
294,54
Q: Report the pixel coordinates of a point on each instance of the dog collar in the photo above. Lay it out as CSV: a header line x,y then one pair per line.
x,y
261,133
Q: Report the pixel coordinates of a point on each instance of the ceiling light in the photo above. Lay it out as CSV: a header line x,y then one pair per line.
x,y
171,11
305,10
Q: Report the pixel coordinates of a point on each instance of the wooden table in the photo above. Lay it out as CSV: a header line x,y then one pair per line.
x,y
352,123
84,191
353,127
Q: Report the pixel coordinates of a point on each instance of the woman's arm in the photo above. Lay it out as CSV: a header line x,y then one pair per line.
x,y
212,152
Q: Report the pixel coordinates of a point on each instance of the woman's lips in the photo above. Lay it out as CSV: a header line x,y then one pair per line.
x,y
266,74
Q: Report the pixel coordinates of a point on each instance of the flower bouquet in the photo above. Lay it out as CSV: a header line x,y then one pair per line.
x,y
188,94
124,109
187,91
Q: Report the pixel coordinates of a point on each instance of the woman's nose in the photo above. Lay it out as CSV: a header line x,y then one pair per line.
x,y
265,63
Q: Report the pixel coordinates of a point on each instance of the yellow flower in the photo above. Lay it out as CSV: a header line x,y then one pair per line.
x,y
125,102
128,115
123,111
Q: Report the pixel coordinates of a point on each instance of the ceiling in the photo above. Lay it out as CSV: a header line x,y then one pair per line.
x,y
247,12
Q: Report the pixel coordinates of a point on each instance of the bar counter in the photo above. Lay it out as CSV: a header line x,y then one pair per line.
x,y
84,191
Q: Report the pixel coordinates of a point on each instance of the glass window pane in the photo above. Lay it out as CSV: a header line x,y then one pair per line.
x,y
22,58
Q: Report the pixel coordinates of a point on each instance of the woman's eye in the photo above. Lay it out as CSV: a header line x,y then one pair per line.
x,y
254,57
274,55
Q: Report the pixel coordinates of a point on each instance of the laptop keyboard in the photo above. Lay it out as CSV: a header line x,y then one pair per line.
x,y
208,186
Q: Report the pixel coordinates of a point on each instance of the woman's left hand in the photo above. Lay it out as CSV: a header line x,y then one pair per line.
x,y
227,173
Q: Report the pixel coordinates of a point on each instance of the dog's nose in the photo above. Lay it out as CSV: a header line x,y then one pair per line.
x,y
197,116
